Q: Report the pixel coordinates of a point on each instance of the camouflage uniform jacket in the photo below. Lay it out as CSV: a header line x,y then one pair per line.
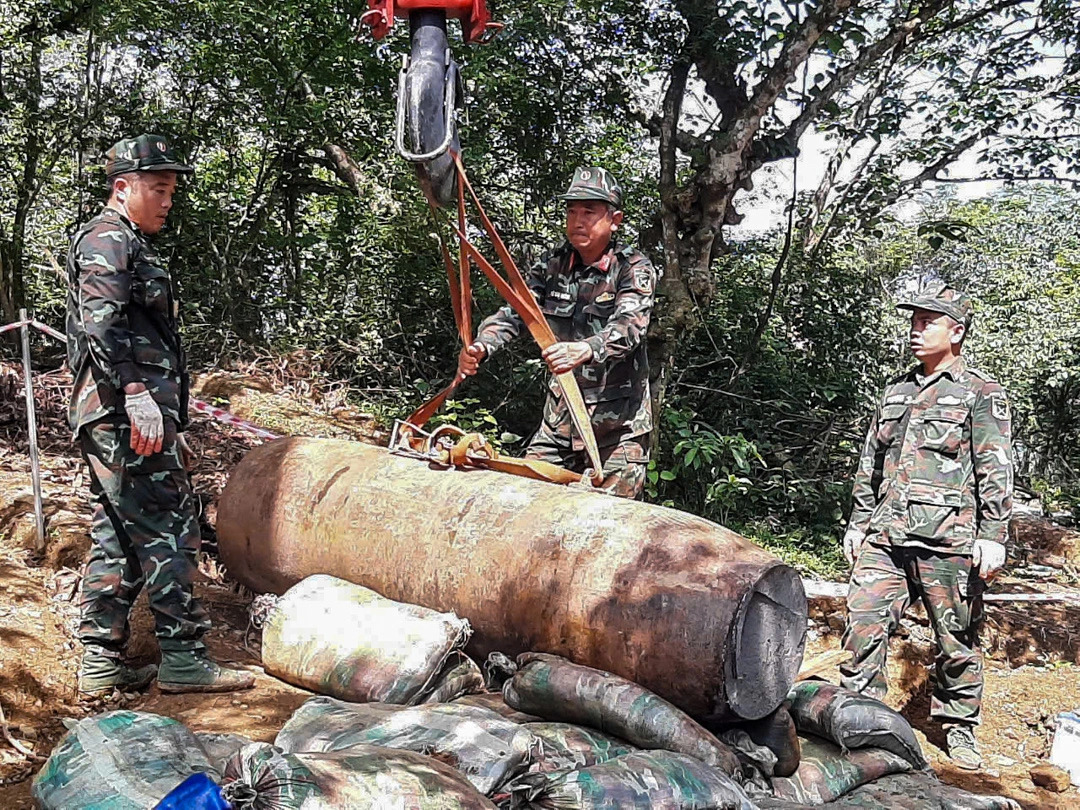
x,y
607,305
936,470
121,323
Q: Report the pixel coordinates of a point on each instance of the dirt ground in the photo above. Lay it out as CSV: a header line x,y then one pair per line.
x,y
1032,648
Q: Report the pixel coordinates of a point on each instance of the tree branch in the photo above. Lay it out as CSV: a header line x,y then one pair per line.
x,y
685,142
843,149
1012,178
950,154
842,79
797,46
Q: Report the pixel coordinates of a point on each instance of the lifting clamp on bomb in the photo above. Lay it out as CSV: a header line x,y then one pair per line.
x,y
453,446
429,83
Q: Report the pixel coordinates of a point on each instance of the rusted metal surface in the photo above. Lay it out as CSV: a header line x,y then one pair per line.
x,y
675,603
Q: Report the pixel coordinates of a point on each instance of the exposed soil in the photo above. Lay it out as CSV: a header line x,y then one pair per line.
x,y
1032,648
1030,654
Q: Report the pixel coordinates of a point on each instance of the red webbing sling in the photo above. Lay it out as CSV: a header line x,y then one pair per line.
x,y
518,295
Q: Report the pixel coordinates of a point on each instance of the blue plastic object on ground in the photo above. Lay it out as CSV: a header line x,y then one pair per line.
x,y
197,792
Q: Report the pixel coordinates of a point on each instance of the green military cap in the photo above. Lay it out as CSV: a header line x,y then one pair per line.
x,y
143,153
940,297
594,183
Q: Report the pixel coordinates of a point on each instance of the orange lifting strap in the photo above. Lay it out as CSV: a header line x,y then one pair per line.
x,y
468,450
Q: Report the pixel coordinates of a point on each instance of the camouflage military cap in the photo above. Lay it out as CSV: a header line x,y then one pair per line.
x,y
143,153
594,183
940,297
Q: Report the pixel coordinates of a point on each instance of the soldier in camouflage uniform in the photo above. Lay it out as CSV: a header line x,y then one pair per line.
x,y
128,410
932,500
597,295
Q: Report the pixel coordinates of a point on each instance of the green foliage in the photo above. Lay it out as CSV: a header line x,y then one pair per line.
x,y
771,450
275,248
471,416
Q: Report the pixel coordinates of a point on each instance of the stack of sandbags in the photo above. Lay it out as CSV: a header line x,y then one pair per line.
x,y
556,689
826,772
859,753
597,720
566,747
852,720
642,780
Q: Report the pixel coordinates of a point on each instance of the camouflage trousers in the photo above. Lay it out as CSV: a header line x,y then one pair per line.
x,y
883,583
625,462
144,532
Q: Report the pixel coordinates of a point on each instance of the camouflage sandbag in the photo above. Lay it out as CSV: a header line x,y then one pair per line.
x,y
219,748
497,704
563,747
487,748
339,639
559,690
366,777
644,779
905,791
918,791
118,761
460,676
827,773
852,720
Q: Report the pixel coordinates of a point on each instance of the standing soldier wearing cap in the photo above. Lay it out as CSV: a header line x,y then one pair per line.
x,y
128,408
932,499
597,294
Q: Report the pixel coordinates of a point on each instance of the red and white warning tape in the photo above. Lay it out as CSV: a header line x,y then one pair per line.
x,y
220,414
9,326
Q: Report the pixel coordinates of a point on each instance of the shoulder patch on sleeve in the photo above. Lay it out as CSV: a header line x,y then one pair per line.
x,y
643,274
643,281
999,406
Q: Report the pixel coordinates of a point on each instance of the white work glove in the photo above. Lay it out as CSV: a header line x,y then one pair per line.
x,y
187,455
988,556
854,537
147,426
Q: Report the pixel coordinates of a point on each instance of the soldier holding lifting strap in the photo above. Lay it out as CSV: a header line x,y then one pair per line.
x,y
597,295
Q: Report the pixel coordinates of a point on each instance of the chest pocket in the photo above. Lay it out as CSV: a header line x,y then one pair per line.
x,y
599,294
151,288
560,298
943,430
888,430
